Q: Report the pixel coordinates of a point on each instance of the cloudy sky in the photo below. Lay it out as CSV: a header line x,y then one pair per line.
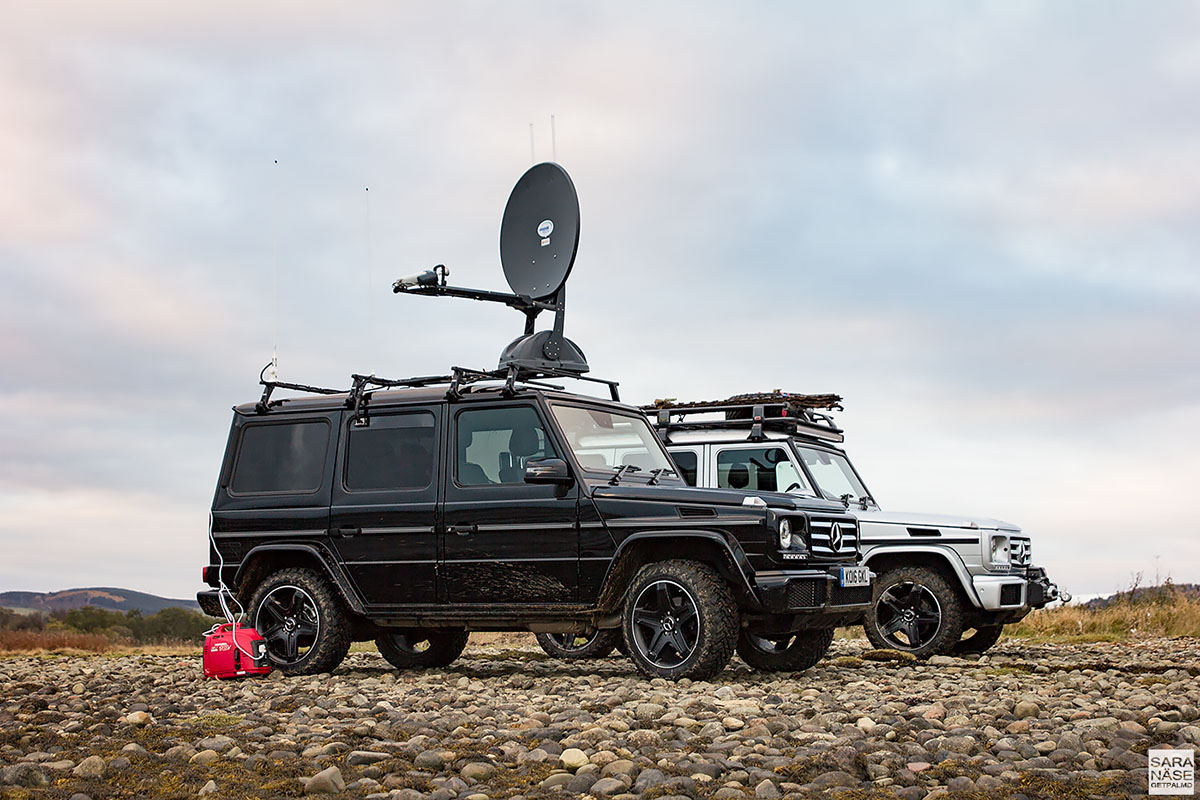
x,y
976,222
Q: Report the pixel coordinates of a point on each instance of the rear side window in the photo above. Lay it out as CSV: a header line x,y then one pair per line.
x,y
285,457
393,452
686,461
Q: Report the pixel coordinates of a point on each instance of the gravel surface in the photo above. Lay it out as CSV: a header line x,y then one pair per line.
x,y
1034,720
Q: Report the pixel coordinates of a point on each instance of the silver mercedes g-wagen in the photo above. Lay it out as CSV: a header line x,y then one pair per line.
x,y
939,577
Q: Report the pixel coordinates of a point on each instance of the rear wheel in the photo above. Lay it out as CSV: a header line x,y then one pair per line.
x,y
980,641
297,611
792,653
679,620
421,648
916,611
593,644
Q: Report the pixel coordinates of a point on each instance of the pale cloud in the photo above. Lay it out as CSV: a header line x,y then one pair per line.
x,y
976,224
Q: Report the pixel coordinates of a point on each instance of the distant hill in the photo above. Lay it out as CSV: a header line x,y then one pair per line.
x,y
1146,594
100,597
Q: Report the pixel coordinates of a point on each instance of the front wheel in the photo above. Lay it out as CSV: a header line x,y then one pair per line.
x,y
679,620
984,637
421,648
916,611
302,619
593,644
792,653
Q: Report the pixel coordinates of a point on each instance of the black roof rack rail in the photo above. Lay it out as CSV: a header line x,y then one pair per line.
x,y
358,395
777,411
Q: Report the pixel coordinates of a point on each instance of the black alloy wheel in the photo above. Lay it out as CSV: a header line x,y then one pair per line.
x,y
305,628
916,611
592,644
288,619
909,616
666,623
679,620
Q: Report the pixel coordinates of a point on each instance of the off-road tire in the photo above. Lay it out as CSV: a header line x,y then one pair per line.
x,y
599,646
444,647
979,642
950,626
804,651
716,611
334,628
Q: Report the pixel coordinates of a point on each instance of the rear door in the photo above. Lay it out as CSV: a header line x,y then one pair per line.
x,y
505,541
384,513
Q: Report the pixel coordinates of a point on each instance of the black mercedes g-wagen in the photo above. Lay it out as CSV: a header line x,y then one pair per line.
x,y
413,515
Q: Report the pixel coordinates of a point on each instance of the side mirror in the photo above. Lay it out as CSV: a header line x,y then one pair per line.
x,y
548,470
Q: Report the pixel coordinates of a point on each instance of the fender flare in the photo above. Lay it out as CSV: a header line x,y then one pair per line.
x,y
949,554
329,565
737,556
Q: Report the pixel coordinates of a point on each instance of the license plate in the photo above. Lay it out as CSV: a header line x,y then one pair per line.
x,y
856,576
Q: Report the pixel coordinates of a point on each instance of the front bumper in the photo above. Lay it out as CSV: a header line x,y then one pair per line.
x,y
1016,592
813,596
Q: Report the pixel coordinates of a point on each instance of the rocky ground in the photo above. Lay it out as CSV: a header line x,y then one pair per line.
x,y
1033,720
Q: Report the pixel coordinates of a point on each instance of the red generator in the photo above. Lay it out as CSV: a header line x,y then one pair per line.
x,y
226,649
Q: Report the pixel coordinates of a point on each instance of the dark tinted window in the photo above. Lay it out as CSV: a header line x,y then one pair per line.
x,y
287,457
493,445
686,461
392,452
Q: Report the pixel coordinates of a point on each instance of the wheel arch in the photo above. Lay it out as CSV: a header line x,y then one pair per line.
x,y
942,559
265,559
646,547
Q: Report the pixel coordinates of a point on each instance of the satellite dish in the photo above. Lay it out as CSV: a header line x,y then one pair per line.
x,y
539,234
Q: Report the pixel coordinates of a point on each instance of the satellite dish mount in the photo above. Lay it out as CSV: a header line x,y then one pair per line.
x,y
539,237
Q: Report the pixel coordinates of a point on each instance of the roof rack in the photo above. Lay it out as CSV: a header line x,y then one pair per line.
x,y
358,395
794,414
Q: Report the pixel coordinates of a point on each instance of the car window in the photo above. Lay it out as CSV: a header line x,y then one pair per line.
x,y
394,451
493,444
281,457
762,469
687,462
604,440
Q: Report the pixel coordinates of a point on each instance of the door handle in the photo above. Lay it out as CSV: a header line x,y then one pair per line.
x,y
463,530
347,531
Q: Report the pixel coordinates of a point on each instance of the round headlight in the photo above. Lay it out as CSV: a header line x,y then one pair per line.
x,y
785,533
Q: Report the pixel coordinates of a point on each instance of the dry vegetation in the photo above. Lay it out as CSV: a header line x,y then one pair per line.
x,y
1160,611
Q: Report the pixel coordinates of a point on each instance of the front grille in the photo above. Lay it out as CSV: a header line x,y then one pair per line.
x,y
1010,594
804,593
849,595
820,534
1021,551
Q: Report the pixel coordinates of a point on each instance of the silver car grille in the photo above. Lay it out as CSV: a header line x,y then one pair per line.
x,y
821,536
1021,551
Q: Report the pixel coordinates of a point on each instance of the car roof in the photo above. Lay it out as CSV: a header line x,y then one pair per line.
x,y
424,395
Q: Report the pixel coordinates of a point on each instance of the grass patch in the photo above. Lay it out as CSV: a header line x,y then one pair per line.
x,y
52,642
1162,611
216,722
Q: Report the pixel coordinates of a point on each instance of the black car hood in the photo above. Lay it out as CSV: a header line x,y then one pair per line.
x,y
713,497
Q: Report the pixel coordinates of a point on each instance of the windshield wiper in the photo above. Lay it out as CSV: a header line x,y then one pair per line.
x,y
621,470
866,500
655,474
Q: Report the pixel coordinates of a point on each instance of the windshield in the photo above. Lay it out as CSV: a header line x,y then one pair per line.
x,y
834,476
603,441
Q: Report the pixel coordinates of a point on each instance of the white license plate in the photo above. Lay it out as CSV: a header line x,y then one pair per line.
x,y
856,576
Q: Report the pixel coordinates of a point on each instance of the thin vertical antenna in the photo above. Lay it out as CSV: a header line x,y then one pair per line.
x,y
274,371
553,141
532,156
370,282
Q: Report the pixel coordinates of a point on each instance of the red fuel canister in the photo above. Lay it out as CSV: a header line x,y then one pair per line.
x,y
235,651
